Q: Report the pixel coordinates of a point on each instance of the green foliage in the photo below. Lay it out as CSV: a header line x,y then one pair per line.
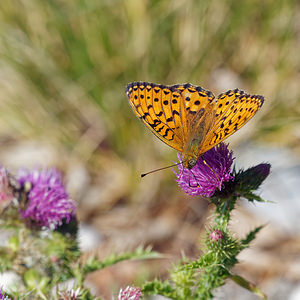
x,y
59,256
249,180
157,287
54,258
93,264
35,282
5,259
41,261
247,285
198,279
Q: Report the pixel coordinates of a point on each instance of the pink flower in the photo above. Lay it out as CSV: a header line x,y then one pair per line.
x,y
48,203
130,293
216,235
70,295
204,179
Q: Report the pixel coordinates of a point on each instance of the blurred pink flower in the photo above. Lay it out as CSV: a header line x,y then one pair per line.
x,y
48,203
130,293
216,235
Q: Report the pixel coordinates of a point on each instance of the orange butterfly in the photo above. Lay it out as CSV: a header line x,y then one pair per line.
x,y
189,118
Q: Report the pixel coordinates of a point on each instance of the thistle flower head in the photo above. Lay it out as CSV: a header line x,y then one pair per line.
x,y
216,235
130,293
48,203
209,174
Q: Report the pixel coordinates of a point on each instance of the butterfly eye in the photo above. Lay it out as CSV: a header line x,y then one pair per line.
x,y
192,162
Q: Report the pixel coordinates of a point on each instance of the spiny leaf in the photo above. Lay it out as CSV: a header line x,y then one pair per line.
x,y
140,253
251,235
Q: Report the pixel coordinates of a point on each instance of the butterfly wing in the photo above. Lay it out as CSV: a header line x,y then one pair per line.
x,y
161,109
186,115
233,110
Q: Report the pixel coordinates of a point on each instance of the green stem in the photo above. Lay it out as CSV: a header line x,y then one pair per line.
x,y
224,209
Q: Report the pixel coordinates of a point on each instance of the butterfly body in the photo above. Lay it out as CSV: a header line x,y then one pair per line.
x,y
198,130
189,118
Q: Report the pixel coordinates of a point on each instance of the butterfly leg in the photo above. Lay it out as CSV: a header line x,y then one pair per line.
x,y
212,171
194,186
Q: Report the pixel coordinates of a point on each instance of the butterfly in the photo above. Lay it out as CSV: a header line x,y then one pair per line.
x,y
189,118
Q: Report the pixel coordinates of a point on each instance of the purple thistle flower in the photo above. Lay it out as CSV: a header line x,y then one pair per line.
x,y
48,203
130,293
204,179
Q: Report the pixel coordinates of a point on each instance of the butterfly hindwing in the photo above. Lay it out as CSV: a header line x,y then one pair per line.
x,y
233,110
160,109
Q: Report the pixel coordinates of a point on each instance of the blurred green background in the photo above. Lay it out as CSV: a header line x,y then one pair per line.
x,y
64,66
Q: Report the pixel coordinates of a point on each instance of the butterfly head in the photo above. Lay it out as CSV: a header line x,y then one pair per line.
x,y
189,162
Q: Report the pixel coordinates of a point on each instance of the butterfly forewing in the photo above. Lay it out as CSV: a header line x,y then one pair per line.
x,y
233,110
161,110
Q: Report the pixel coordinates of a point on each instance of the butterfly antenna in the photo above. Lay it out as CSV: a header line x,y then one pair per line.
x,y
144,174
212,171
